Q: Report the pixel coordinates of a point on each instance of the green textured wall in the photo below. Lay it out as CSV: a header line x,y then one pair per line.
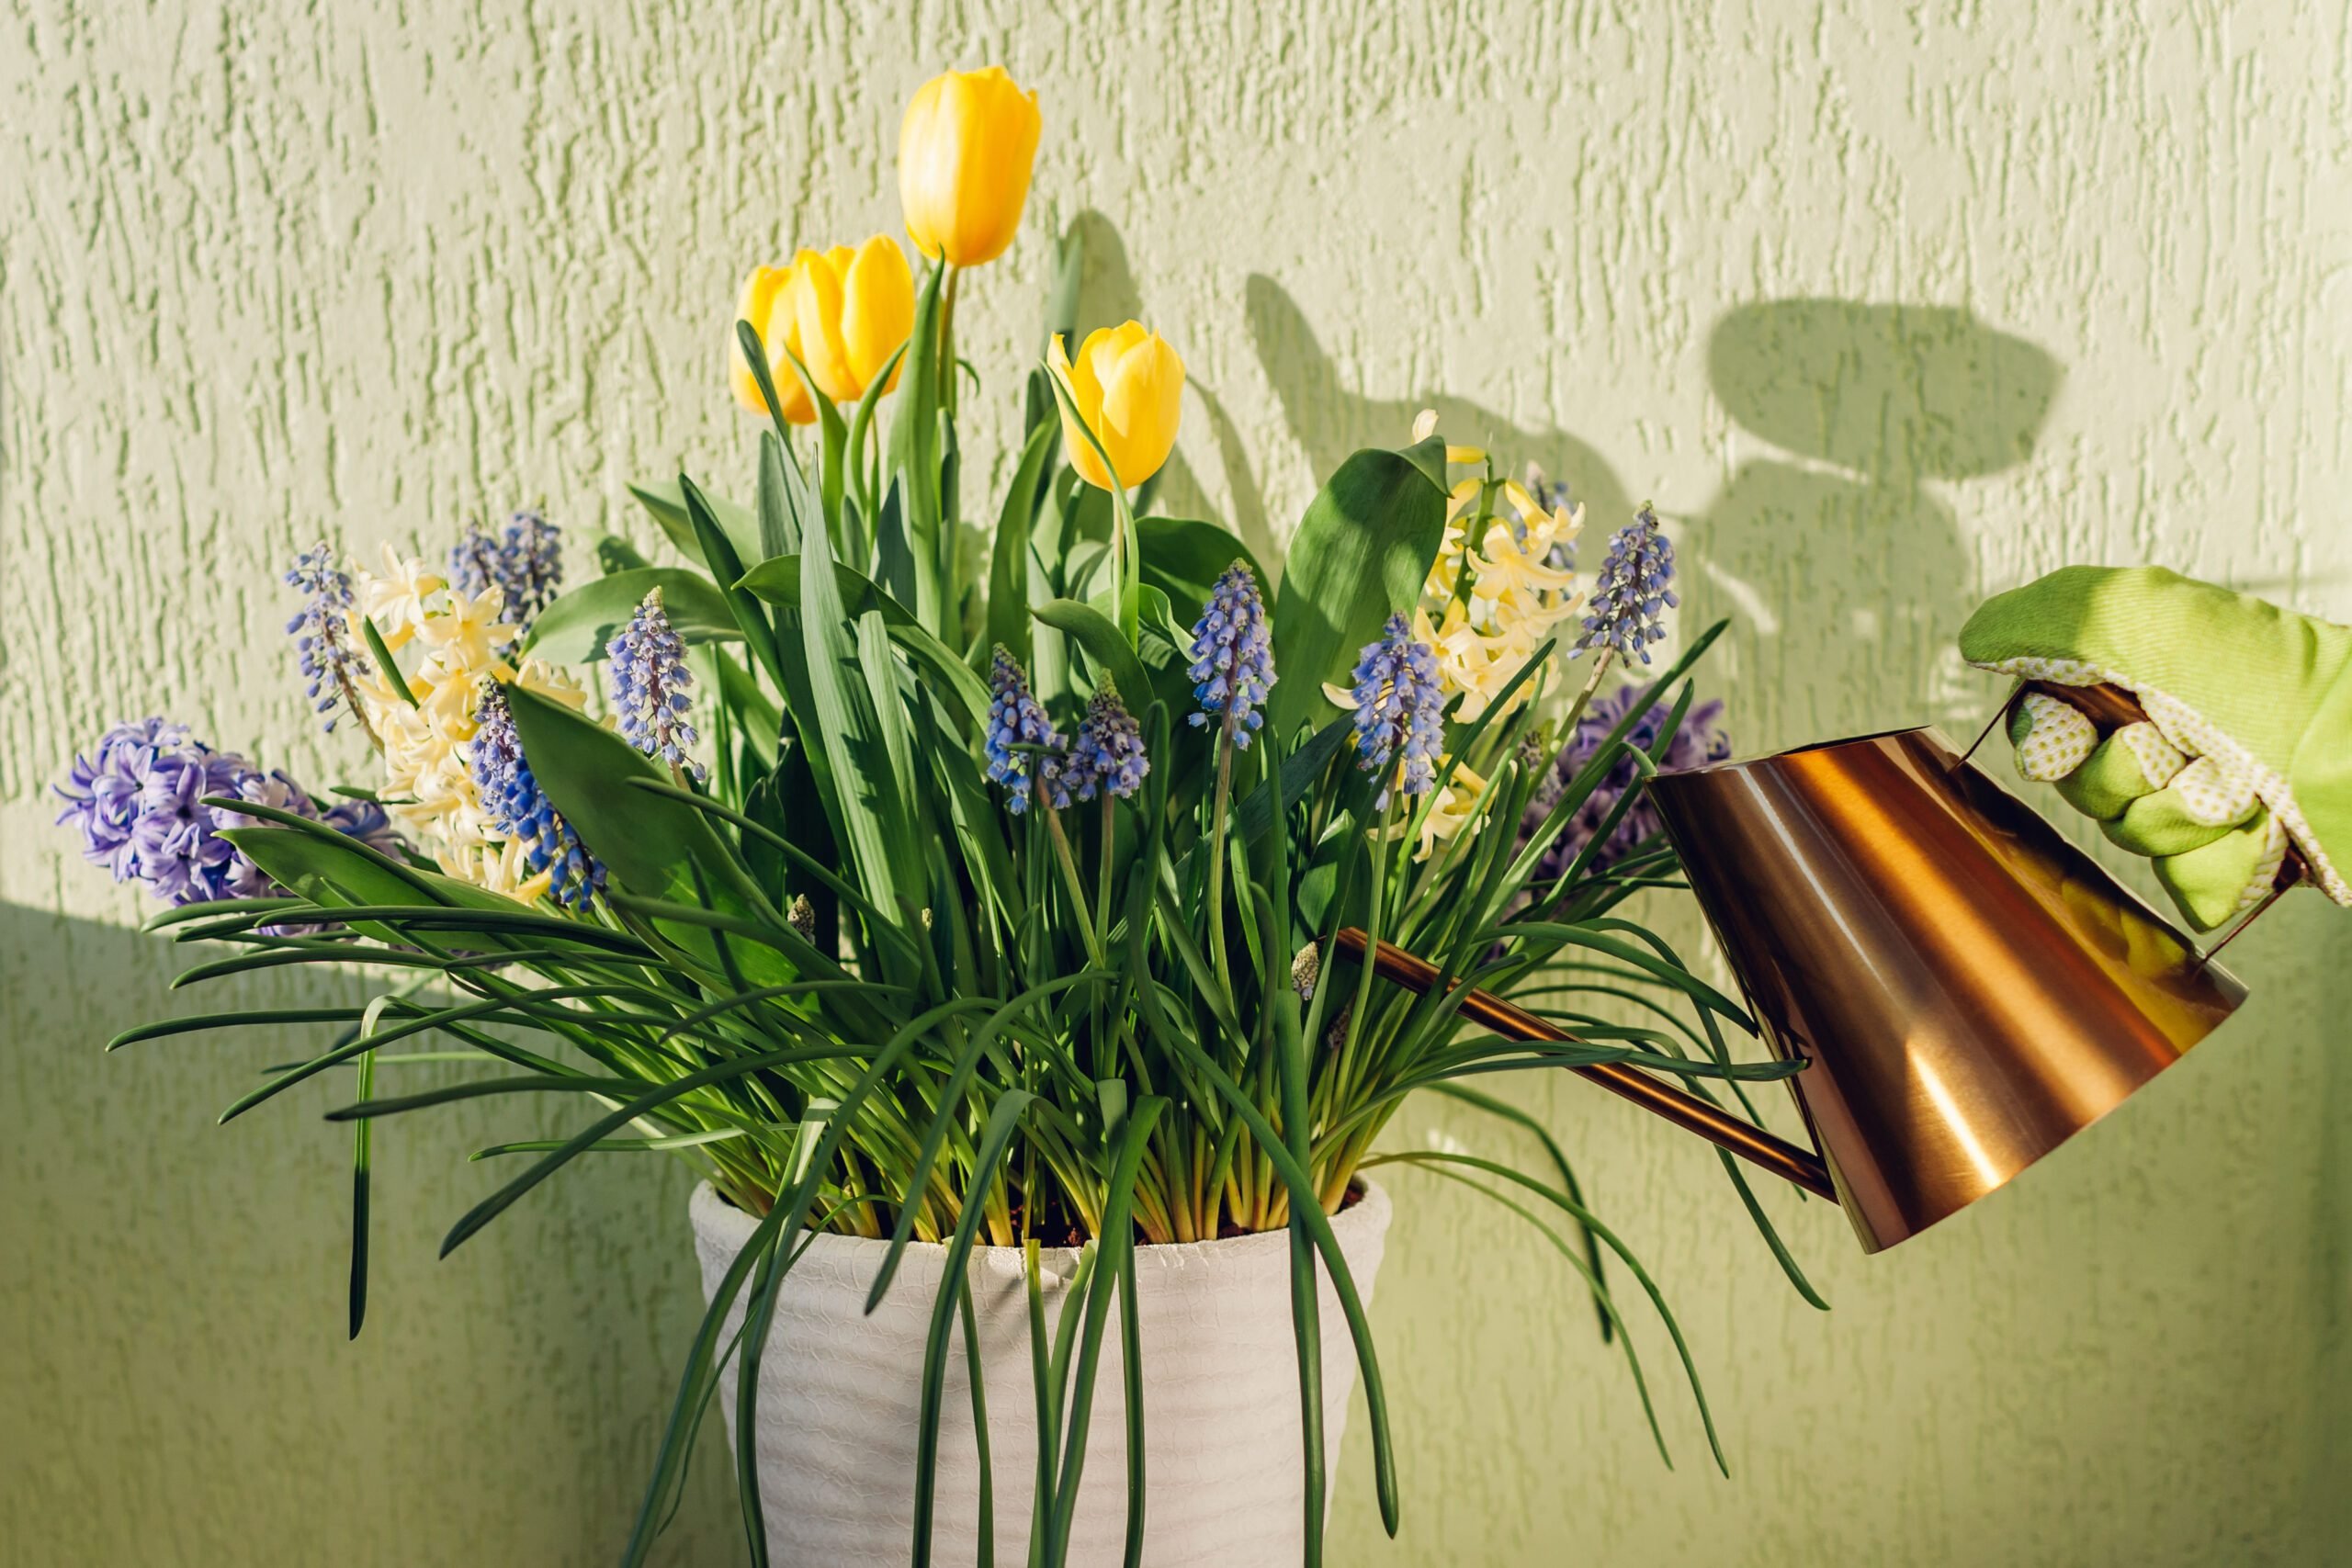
x,y
1886,307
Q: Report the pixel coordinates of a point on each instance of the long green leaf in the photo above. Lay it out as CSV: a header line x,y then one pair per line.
x,y
1118,1242
1009,563
1003,1121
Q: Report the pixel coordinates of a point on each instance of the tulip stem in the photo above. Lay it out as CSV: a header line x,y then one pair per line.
x,y
947,338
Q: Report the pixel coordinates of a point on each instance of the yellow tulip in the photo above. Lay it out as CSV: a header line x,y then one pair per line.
x,y
766,303
965,152
1129,388
851,311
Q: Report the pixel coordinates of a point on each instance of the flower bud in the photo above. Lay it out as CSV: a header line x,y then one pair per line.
x,y
766,303
850,310
1129,389
965,153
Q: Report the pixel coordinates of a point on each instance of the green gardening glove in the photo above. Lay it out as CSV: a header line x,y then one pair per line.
x,y
2247,745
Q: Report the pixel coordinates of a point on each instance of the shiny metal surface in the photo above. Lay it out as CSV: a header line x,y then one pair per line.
x,y
1967,989
1686,1111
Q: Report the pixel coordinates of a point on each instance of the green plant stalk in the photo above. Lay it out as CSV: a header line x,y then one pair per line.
x,y
1072,880
1217,854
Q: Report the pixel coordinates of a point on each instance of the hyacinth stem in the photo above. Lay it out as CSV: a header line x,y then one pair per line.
x,y
1103,877
1345,1070
352,706
1069,864
1591,684
1217,854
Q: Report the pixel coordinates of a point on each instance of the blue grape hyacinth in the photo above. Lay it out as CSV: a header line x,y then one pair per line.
x,y
1108,755
526,562
1629,598
519,809
1022,746
1400,709
650,687
1233,656
333,663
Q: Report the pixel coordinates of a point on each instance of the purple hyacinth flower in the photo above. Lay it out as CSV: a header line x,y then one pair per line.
x,y
365,821
1233,656
1698,741
1401,711
138,797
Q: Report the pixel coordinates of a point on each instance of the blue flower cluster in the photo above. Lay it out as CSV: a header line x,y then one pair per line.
x,y
137,800
1233,656
1399,717
333,663
650,687
1023,745
526,561
1108,753
1698,741
1630,597
518,808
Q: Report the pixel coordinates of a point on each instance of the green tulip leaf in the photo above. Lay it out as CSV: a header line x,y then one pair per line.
x,y
1360,556
575,628
666,501
1183,557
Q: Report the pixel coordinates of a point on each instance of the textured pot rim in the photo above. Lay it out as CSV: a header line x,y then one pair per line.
x,y
713,1215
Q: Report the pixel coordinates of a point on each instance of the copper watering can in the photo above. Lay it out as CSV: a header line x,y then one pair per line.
x,y
1966,988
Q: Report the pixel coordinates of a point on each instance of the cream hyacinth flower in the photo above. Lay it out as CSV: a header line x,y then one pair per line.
x,y
429,764
1458,808
1425,426
396,601
1486,611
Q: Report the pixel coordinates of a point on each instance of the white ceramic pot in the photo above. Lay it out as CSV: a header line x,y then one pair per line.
x,y
840,1394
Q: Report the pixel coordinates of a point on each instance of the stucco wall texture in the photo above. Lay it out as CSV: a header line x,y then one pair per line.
x,y
1887,307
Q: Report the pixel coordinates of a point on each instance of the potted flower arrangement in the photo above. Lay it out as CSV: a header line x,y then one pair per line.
x,y
966,925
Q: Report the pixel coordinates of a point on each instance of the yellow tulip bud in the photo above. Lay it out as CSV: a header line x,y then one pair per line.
x,y
766,303
1129,388
851,311
965,152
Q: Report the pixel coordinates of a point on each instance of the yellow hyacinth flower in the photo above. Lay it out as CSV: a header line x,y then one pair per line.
x,y
850,310
965,152
1457,808
1425,426
1129,388
766,303
1485,610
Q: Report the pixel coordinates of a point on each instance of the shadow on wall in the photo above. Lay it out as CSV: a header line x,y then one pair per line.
x,y
1108,295
1330,420
1845,576
180,1382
